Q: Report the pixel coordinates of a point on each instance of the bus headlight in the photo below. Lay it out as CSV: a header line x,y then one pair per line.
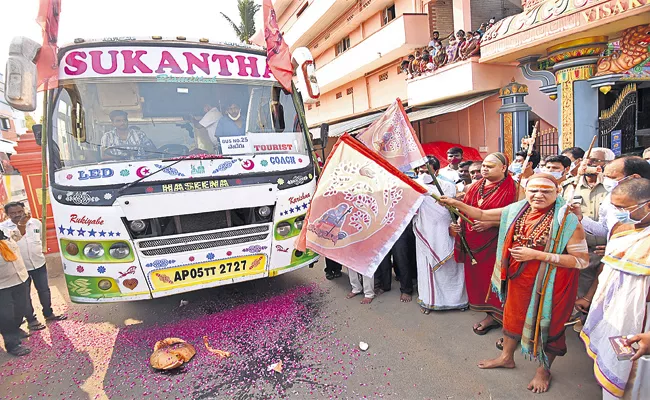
x,y
137,225
119,250
299,222
264,211
104,284
283,228
93,250
72,249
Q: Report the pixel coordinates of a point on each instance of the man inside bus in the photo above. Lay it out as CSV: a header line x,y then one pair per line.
x,y
232,124
124,142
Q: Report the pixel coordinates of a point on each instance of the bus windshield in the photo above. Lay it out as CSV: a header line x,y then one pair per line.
x,y
107,121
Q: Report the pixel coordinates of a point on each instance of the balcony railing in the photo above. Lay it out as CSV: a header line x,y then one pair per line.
x,y
396,39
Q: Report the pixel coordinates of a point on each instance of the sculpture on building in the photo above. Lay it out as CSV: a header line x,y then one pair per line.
x,y
632,52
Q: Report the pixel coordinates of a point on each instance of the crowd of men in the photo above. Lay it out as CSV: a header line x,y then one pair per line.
x,y
460,46
21,263
544,244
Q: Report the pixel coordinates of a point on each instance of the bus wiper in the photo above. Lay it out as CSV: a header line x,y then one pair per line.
x,y
176,161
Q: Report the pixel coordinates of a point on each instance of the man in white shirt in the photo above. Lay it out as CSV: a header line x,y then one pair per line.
x,y
450,172
26,231
14,295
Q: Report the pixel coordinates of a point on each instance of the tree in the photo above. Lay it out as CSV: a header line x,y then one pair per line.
x,y
29,121
246,28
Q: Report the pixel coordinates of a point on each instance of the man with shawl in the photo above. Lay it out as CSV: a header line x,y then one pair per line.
x,y
441,281
621,305
540,251
495,190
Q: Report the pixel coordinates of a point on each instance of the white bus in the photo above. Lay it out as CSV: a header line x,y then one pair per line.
x,y
173,165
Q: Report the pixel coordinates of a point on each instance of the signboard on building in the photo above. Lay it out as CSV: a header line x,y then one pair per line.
x,y
616,142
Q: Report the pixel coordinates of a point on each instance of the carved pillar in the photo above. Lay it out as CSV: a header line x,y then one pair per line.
x,y
27,160
514,117
574,63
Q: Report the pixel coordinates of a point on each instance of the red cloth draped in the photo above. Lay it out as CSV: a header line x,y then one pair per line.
x,y
46,60
483,246
278,56
521,280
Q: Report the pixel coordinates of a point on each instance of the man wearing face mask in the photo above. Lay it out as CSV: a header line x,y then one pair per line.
x,y
232,124
558,166
617,171
450,172
621,303
575,154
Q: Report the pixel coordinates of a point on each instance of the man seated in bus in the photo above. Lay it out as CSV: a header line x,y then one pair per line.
x,y
232,124
124,142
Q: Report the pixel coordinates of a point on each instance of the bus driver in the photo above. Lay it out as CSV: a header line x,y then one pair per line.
x,y
124,142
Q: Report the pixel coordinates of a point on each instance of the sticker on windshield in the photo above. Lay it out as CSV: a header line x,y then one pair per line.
x,y
233,145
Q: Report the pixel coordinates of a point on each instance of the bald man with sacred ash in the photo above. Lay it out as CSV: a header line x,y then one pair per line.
x,y
540,251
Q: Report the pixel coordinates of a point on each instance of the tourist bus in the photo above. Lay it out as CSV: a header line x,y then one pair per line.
x,y
174,165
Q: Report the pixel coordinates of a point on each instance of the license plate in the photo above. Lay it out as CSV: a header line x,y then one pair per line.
x,y
170,278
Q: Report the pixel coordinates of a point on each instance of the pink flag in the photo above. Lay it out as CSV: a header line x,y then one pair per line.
x,y
361,206
278,56
394,138
46,60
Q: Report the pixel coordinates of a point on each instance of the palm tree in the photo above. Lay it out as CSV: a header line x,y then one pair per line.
x,y
246,29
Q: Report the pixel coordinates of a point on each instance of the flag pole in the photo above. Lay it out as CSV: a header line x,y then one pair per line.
x,y
463,240
44,196
300,108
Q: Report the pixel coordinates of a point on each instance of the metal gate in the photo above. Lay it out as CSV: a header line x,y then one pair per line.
x,y
547,143
621,116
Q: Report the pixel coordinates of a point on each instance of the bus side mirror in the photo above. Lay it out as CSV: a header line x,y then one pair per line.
x,y
305,70
21,76
277,116
324,132
38,133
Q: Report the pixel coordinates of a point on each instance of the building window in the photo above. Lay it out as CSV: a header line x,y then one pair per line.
x,y
349,91
5,124
318,104
383,77
302,9
339,95
343,45
389,15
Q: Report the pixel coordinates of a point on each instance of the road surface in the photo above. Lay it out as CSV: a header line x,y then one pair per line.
x,y
102,351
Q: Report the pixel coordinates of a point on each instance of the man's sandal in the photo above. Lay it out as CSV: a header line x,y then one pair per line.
x,y
499,344
53,317
486,328
36,326
19,351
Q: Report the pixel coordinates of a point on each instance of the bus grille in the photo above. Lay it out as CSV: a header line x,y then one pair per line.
x,y
145,244
204,245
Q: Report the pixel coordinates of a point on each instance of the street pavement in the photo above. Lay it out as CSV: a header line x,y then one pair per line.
x,y
102,350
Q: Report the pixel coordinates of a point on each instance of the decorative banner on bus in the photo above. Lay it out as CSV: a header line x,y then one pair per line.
x,y
166,64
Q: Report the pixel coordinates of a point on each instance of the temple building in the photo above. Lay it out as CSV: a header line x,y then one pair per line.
x,y
591,57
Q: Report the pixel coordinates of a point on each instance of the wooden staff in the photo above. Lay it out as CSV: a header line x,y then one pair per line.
x,y
463,240
555,247
529,152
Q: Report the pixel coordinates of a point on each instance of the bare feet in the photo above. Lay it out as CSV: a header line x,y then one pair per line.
x,y
541,381
366,300
499,362
425,311
405,298
379,291
351,295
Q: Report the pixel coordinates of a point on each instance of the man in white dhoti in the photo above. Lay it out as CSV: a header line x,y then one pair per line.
x,y
441,280
621,305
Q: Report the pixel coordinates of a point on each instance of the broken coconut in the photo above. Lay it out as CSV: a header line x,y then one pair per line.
x,y
363,346
171,353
